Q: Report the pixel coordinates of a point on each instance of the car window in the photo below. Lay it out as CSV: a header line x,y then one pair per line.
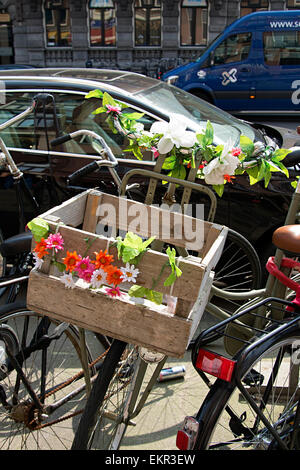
x,y
233,49
68,113
282,47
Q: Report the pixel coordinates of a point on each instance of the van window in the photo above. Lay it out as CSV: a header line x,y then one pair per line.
x,y
282,47
233,49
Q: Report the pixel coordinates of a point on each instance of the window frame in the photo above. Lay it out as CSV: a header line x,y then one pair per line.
x,y
148,9
56,6
102,9
194,9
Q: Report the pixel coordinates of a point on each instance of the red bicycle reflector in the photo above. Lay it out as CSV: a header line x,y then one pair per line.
x,y
182,440
215,364
186,436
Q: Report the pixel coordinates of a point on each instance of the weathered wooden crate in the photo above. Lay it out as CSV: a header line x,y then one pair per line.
x,y
143,323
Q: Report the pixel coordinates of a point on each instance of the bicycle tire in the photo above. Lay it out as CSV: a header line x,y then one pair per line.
x,y
21,425
226,422
103,422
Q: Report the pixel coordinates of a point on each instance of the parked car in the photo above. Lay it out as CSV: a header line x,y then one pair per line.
x,y
253,65
251,210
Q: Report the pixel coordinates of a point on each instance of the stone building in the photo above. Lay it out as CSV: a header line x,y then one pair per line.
x,y
147,36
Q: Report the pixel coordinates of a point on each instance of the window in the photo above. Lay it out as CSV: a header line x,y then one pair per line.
x,y
102,17
193,23
6,38
58,25
147,17
293,4
234,49
73,112
249,6
282,48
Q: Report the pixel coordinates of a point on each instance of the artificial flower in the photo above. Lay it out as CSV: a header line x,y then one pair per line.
x,y
129,273
41,248
113,109
71,260
113,275
113,292
103,259
98,278
236,151
84,268
87,274
225,164
155,152
67,280
174,133
37,261
229,178
55,241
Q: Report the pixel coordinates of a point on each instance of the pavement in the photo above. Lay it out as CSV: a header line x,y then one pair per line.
x,y
168,404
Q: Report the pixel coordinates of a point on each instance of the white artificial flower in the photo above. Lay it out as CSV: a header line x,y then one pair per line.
x,y
139,127
67,280
174,133
129,273
226,164
37,261
98,278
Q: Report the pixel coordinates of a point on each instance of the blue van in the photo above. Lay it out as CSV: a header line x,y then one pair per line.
x,y
253,65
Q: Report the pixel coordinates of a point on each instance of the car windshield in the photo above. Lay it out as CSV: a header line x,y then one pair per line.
x,y
196,112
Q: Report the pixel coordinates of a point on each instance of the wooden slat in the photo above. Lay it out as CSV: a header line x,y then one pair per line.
x,y
146,221
119,318
70,212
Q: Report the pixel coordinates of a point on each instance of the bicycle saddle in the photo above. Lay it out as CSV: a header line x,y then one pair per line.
x,y
287,238
16,244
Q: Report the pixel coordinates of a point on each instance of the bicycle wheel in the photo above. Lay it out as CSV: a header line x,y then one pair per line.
x,y
103,422
270,375
48,355
239,267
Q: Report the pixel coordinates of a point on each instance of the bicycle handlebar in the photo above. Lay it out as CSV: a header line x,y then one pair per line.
x,y
85,170
107,158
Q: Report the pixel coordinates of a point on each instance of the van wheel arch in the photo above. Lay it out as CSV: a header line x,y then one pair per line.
x,y
204,95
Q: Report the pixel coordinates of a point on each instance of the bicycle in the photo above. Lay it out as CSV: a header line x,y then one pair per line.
x,y
254,403
47,335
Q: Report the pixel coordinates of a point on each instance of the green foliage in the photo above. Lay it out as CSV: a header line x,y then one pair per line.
x,y
132,247
39,228
139,291
258,166
176,272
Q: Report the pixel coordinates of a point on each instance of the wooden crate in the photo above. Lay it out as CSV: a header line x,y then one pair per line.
x,y
128,319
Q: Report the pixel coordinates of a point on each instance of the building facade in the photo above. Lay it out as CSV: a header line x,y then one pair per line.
x,y
146,36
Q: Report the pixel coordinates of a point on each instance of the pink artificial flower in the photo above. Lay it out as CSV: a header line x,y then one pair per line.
x,y
84,268
155,152
236,151
113,292
87,275
55,241
113,109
